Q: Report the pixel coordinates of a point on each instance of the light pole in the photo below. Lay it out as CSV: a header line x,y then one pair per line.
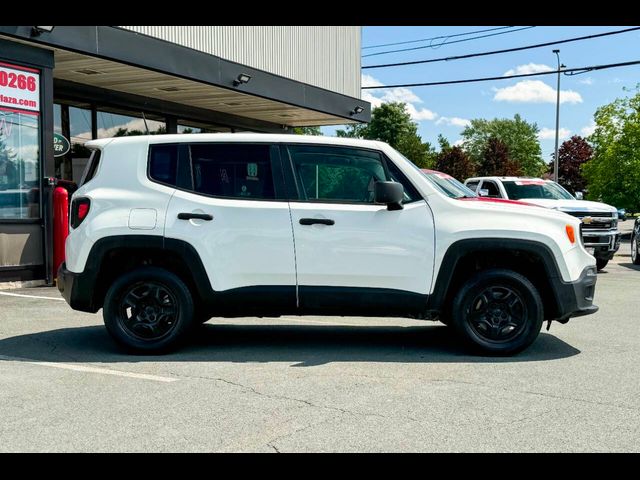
x,y
555,158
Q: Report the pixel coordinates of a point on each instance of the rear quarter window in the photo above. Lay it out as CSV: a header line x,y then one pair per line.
x,y
163,164
91,168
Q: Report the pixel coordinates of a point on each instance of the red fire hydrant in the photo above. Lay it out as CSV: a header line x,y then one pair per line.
x,y
60,226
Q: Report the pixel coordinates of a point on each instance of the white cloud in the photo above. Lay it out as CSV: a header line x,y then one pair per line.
x,y
453,121
396,95
586,81
369,81
589,129
534,91
422,114
528,68
401,95
458,143
550,133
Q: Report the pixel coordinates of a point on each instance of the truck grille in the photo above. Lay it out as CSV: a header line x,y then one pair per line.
x,y
596,220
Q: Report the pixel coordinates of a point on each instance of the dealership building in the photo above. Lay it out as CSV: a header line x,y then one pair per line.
x,y
65,85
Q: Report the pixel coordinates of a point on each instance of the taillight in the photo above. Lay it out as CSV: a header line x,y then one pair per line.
x,y
79,211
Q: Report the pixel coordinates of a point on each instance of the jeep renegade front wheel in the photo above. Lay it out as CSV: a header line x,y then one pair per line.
x,y
148,310
498,312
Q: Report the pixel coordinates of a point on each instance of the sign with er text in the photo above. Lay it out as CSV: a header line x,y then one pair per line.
x,y
19,89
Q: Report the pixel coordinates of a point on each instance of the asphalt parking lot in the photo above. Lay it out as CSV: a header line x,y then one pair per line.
x,y
320,384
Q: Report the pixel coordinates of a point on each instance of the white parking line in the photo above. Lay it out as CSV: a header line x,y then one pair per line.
x,y
86,369
30,296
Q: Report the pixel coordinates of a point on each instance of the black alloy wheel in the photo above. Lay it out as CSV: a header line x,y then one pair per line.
x,y
149,310
497,312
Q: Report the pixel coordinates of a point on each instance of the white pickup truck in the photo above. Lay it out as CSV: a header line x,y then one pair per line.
x,y
168,231
599,220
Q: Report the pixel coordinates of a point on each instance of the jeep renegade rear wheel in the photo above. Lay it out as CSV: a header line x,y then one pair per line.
x,y
148,310
498,312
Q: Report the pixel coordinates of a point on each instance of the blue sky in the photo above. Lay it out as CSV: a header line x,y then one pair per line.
x,y
444,109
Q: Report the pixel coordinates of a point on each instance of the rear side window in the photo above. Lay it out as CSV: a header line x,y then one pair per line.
x,y
163,163
91,168
233,171
472,185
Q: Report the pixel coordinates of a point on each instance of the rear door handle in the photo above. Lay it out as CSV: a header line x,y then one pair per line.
x,y
198,216
319,221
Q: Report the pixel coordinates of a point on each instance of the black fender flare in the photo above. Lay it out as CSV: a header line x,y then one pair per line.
x,y
461,248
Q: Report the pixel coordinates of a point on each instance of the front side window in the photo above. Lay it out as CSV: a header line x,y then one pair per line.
x,y
334,174
233,171
492,189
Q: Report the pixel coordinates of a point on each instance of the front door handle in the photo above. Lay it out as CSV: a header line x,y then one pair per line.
x,y
319,221
198,216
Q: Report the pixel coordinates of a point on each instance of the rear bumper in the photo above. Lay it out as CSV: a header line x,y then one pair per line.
x,y
77,289
575,299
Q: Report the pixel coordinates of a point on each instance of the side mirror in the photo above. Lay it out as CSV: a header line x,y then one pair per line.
x,y
579,196
483,192
390,193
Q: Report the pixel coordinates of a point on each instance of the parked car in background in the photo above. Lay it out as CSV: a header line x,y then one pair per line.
x,y
168,231
622,214
635,242
599,220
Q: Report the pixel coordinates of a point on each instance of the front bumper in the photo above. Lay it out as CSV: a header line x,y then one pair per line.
x,y
575,299
77,289
604,242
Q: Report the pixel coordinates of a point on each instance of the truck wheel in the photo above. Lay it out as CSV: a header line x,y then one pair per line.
x,y
498,312
148,310
635,253
601,263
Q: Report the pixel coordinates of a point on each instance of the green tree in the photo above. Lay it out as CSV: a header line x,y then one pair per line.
x,y
392,124
496,160
519,136
355,130
613,174
307,131
572,154
454,161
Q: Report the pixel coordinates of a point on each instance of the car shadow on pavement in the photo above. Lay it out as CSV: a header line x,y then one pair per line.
x,y
302,345
630,266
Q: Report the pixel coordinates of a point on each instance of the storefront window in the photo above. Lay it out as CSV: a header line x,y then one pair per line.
x,y
116,125
19,156
187,129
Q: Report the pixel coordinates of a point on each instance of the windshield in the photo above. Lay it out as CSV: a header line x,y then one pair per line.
x,y
519,189
449,185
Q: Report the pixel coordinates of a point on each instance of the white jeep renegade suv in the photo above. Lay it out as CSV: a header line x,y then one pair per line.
x,y
170,230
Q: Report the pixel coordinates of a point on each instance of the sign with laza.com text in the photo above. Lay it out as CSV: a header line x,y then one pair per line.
x,y
19,89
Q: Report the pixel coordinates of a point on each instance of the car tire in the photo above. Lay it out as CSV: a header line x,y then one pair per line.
x,y
497,312
601,263
149,311
635,249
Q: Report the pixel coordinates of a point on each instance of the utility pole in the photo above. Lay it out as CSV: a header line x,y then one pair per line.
x,y
555,158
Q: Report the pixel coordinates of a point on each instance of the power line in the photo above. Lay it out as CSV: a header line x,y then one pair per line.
x,y
446,43
509,77
507,50
435,38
